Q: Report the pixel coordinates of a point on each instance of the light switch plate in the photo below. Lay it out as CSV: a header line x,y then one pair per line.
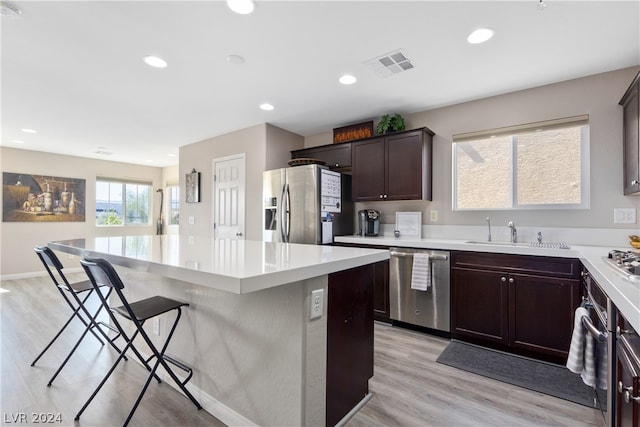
x,y
624,215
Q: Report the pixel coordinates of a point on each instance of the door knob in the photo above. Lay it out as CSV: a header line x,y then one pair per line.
x,y
635,182
510,279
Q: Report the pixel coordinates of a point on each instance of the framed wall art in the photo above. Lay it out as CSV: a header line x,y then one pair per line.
x,y
42,198
192,192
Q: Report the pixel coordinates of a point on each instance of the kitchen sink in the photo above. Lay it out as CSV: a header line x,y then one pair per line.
x,y
554,245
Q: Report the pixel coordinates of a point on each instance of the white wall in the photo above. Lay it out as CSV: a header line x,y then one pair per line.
x,y
17,239
266,147
596,95
200,156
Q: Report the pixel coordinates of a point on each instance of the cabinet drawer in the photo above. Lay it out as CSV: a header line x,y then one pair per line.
x,y
525,264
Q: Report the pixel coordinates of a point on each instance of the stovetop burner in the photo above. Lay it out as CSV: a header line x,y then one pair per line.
x,y
626,262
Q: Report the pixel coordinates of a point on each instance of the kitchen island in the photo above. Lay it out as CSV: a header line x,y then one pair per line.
x,y
258,358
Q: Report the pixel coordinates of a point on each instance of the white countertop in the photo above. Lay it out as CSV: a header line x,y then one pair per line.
x,y
624,293
237,266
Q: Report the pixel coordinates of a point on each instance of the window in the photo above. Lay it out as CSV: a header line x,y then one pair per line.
x,y
174,204
122,202
536,166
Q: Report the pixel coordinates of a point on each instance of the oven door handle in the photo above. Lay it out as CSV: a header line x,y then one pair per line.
x,y
595,333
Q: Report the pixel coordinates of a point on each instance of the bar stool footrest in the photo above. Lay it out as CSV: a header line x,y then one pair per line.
x,y
180,365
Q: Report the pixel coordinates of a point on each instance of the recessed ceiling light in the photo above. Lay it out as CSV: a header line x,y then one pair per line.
x,y
266,107
347,79
9,9
235,59
480,35
154,61
17,141
29,131
243,7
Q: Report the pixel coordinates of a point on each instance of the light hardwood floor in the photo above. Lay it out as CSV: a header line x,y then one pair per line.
x,y
410,388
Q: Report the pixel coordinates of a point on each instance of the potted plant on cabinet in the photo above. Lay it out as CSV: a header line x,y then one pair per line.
x,y
390,123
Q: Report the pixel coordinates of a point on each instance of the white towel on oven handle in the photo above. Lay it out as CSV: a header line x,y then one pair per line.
x,y
421,272
581,358
588,374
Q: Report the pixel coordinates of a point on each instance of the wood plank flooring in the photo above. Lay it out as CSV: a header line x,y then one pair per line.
x,y
410,388
30,315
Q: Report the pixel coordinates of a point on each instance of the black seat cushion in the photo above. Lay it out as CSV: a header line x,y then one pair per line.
x,y
150,307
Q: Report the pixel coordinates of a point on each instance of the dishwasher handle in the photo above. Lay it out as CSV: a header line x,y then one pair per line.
x,y
410,254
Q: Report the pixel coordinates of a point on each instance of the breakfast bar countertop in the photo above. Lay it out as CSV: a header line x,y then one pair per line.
x,y
624,293
237,266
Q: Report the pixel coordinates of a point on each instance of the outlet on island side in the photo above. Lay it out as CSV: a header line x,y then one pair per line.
x,y
433,215
316,306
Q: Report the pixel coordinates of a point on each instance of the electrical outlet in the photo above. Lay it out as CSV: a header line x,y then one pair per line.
x,y
315,309
192,220
433,215
156,326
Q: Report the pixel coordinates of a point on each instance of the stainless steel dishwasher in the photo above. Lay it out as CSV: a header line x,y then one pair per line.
x,y
428,308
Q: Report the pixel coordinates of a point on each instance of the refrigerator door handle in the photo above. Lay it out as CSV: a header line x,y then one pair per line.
x,y
285,214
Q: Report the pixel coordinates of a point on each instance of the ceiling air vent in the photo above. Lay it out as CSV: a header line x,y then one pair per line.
x,y
390,63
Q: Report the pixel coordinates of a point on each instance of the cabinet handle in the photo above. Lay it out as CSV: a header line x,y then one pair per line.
x,y
381,196
626,393
503,279
385,196
510,279
635,182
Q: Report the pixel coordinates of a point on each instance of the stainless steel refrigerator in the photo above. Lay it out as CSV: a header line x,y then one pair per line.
x,y
306,204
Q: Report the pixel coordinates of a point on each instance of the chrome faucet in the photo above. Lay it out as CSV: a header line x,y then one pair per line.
x,y
514,232
489,224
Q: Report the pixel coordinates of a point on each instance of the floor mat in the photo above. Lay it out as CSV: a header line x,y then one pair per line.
x,y
543,377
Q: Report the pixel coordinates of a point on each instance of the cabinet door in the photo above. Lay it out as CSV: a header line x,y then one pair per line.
x,y
381,291
541,313
631,122
403,171
349,340
368,170
627,381
479,305
336,156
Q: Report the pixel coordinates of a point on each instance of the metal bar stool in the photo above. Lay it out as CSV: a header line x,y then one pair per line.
x,y
102,273
75,290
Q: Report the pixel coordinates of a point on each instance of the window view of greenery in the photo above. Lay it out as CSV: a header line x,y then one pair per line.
x,y
536,168
122,203
174,205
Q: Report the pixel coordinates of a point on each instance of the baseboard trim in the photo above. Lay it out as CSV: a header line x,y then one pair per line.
x,y
355,410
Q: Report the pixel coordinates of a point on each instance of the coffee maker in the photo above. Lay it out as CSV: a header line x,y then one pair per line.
x,y
369,222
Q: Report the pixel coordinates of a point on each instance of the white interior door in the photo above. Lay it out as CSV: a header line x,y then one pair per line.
x,y
229,197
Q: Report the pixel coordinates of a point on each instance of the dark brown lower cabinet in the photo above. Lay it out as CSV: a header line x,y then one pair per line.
x,y
381,307
349,340
627,376
518,303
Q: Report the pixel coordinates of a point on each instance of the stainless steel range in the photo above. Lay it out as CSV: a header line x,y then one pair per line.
x,y
625,262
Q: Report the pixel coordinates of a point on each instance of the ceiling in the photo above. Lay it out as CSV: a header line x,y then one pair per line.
x,y
73,71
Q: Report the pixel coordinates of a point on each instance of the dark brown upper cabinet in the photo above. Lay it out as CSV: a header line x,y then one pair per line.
x,y
631,138
396,166
336,156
